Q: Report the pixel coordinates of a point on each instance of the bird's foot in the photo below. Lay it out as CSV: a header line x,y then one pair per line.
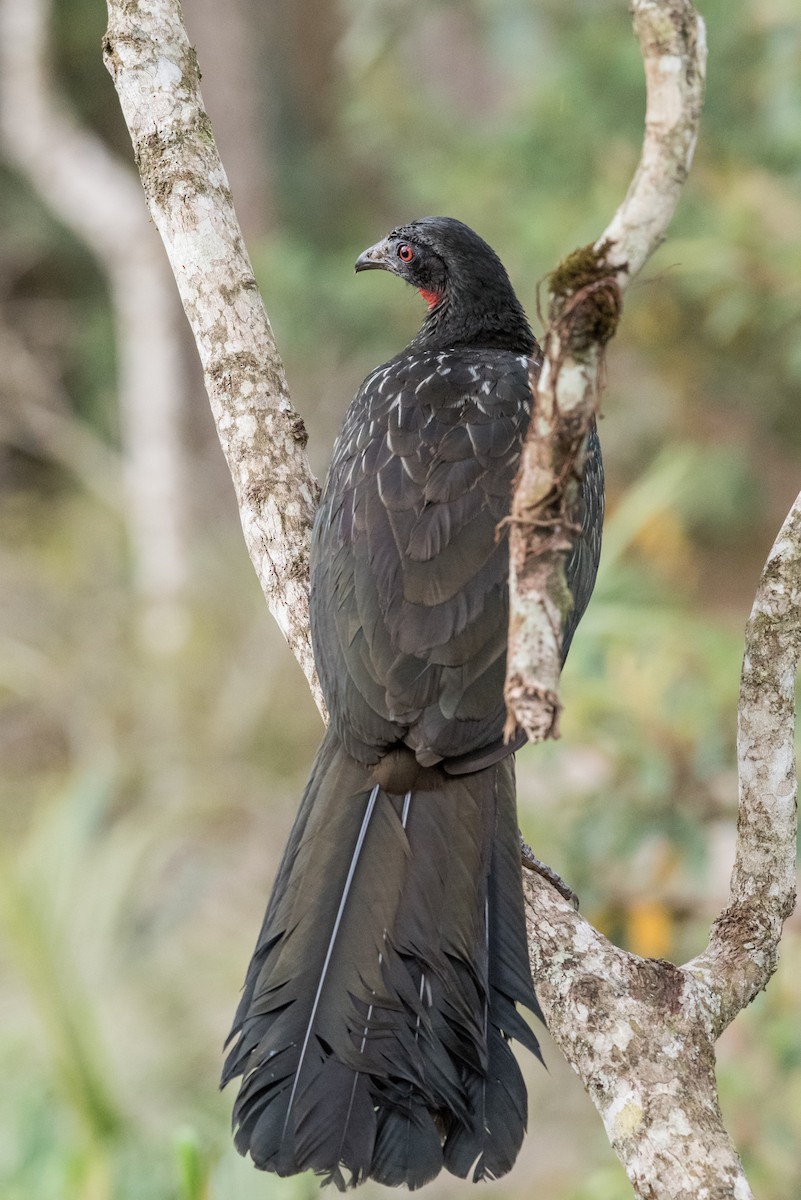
x,y
531,861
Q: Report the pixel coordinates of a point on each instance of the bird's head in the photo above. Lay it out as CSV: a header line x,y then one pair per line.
x,y
461,278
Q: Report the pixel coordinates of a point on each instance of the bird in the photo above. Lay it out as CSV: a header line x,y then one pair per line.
x,y
372,1036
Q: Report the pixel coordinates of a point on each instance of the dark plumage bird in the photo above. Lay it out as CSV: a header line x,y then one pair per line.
x,y
373,1033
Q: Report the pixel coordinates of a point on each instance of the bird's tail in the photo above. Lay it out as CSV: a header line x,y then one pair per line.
x,y
372,1035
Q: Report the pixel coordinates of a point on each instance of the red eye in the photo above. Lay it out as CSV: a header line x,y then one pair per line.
x,y
405,252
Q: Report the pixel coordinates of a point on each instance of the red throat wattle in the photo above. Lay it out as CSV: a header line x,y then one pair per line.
x,y
431,298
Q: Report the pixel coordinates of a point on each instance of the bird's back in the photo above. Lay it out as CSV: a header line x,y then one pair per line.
x,y
409,567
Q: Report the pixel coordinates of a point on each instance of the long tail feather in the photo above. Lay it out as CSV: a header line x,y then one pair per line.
x,y
354,862
372,1035
488,1143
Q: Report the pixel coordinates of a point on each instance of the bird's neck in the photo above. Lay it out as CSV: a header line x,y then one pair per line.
x,y
472,321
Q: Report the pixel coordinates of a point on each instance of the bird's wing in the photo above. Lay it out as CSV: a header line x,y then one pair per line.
x,y
582,565
409,575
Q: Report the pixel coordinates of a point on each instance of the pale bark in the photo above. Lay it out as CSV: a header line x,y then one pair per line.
x,y
585,293
156,75
98,198
744,941
639,1033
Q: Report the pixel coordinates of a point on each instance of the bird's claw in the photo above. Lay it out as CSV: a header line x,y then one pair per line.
x,y
531,861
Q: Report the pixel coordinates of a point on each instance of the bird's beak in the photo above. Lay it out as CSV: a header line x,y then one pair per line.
x,y
373,259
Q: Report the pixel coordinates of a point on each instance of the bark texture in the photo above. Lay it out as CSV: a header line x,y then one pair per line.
x,y
155,71
640,1033
584,302
743,946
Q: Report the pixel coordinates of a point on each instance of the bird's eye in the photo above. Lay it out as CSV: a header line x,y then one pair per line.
x,y
405,252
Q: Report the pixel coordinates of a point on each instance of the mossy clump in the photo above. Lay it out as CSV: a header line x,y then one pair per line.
x,y
585,299
583,266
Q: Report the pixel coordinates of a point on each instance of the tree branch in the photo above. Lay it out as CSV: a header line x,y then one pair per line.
x,y
585,295
155,71
641,1033
743,946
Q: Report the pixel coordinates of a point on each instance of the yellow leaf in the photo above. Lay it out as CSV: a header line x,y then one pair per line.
x,y
649,929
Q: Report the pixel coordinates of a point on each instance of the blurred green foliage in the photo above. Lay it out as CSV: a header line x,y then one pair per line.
x,y
144,803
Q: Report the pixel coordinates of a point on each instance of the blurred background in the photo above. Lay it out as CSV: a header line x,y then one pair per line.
x,y
154,730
